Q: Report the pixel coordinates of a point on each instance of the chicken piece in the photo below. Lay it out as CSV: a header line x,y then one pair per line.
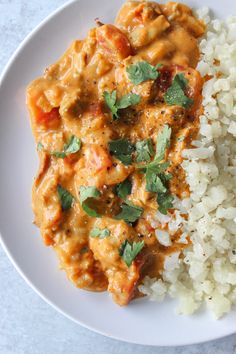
x,y
144,35
96,168
182,15
122,280
113,43
80,266
135,13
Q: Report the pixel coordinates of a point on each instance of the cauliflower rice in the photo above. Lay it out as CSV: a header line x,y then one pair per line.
x,y
206,272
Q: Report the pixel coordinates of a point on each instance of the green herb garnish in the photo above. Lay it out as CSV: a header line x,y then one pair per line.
x,y
130,212
153,182
175,94
144,150
156,177
123,189
129,251
155,171
99,233
122,149
40,146
142,71
66,198
165,202
86,195
72,147
115,105
163,142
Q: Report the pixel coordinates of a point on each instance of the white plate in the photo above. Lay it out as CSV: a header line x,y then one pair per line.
x,y
142,321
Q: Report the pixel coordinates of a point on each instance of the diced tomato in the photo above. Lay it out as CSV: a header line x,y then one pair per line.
x,y
138,13
48,119
165,79
97,158
113,43
48,241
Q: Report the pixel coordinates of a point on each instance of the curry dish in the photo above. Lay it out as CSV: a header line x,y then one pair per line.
x,y
110,120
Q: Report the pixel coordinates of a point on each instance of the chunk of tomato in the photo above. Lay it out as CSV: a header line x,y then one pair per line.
x,y
97,158
113,43
48,119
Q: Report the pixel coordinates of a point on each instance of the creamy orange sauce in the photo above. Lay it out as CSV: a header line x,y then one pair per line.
x,y
68,100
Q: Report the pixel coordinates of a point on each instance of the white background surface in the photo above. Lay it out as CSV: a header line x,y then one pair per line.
x,y
27,324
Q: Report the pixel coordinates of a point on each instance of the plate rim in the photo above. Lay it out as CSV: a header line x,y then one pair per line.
x,y
36,289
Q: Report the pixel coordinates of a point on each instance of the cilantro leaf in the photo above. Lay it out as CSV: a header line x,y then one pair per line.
x,y
130,212
142,71
66,198
110,99
115,105
100,233
165,202
165,177
122,149
86,194
144,149
156,177
153,182
175,94
123,189
128,100
163,142
71,147
40,147
156,166
129,251
58,154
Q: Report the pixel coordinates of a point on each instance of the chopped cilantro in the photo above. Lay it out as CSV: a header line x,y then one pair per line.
x,y
66,198
40,147
86,194
115,105
144,150
129,251
71,147
175,94
142,71
58,154
123,189
130,99
130,212
163,142
99,233
154,182
110,99
156,177
155,171
165,202
122,149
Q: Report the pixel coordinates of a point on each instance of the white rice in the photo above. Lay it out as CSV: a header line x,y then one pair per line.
x,y
207,271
